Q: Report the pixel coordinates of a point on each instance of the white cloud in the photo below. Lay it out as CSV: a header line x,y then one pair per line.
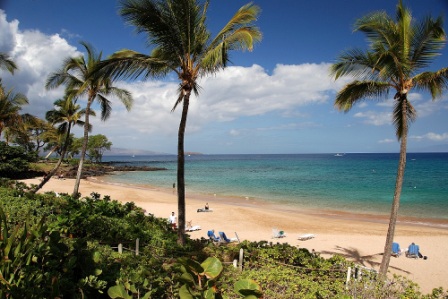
x,y
8,30
431,136
290,91
36,55
375,118
387,140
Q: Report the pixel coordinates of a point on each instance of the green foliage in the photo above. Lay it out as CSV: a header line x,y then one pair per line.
x,y
96,146
47,263
14,160
199,281
38,263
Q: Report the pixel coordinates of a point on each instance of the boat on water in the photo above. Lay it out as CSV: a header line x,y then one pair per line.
x,y
339,155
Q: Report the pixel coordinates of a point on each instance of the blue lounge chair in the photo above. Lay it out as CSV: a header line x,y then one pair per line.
x,y
396,251
211,235
224,238
413,251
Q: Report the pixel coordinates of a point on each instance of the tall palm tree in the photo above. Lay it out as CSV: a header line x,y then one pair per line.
x,y
183,45
76,74
67,114
399,50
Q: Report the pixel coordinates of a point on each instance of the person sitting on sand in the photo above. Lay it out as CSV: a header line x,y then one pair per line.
x,y
206,206
414,251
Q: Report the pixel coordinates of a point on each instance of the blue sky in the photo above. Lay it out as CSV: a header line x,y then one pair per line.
x,y
276,99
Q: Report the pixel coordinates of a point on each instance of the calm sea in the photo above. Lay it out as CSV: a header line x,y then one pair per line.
x,y
349,182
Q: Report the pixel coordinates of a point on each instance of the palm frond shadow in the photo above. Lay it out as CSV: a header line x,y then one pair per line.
x,y
354,255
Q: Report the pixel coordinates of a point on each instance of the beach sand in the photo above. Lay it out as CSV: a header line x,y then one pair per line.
x,y
357,237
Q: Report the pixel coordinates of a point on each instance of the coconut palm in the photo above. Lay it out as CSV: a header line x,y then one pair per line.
x,y
10,107
183,45
67,114
76,74
399,50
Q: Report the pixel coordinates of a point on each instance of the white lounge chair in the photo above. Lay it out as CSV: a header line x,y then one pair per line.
x,y
278,233
306,237
190,228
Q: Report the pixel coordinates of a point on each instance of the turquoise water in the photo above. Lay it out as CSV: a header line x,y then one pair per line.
x,y
351,182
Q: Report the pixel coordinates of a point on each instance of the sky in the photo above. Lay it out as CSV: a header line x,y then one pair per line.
x,y
277,99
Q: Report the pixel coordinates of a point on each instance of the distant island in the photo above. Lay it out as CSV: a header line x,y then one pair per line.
x,y
117,151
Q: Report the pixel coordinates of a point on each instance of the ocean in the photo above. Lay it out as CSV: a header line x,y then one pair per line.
x,y
352,182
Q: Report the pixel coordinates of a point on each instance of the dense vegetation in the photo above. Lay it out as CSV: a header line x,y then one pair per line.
x,y
61,247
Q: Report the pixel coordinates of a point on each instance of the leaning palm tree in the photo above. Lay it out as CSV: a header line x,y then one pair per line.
x,y
399,50
76,74
183,45
67,114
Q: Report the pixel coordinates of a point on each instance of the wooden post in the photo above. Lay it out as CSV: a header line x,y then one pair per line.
x,y
137,244
120,248
241,259
349,273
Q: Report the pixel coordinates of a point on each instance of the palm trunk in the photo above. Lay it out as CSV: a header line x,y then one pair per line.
x,y
84,148
51,151
396,202
181,172
55,169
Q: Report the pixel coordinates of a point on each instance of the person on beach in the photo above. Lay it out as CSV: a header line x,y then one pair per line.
x,y
206,206
172,220
414,251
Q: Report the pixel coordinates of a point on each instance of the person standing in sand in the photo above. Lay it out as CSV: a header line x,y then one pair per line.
x,y
172,220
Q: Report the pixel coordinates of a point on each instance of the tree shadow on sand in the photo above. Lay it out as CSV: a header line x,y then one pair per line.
x,y
354,255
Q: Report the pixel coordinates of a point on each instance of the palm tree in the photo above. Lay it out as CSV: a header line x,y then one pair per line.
x,y
183,45
6,63
76,73
399,50
67,114
10,106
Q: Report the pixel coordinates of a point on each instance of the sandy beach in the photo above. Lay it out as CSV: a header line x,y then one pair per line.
x,y
357,237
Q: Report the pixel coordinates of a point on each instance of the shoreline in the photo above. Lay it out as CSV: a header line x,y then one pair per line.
x,y
325,213
360,239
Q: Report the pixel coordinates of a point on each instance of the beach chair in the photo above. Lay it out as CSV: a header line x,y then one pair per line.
x,y
190,227
278,233
413,251
396,251
224,238
306,237
211,235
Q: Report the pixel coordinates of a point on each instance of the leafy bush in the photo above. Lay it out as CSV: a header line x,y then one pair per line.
x,y
14,161
46,259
